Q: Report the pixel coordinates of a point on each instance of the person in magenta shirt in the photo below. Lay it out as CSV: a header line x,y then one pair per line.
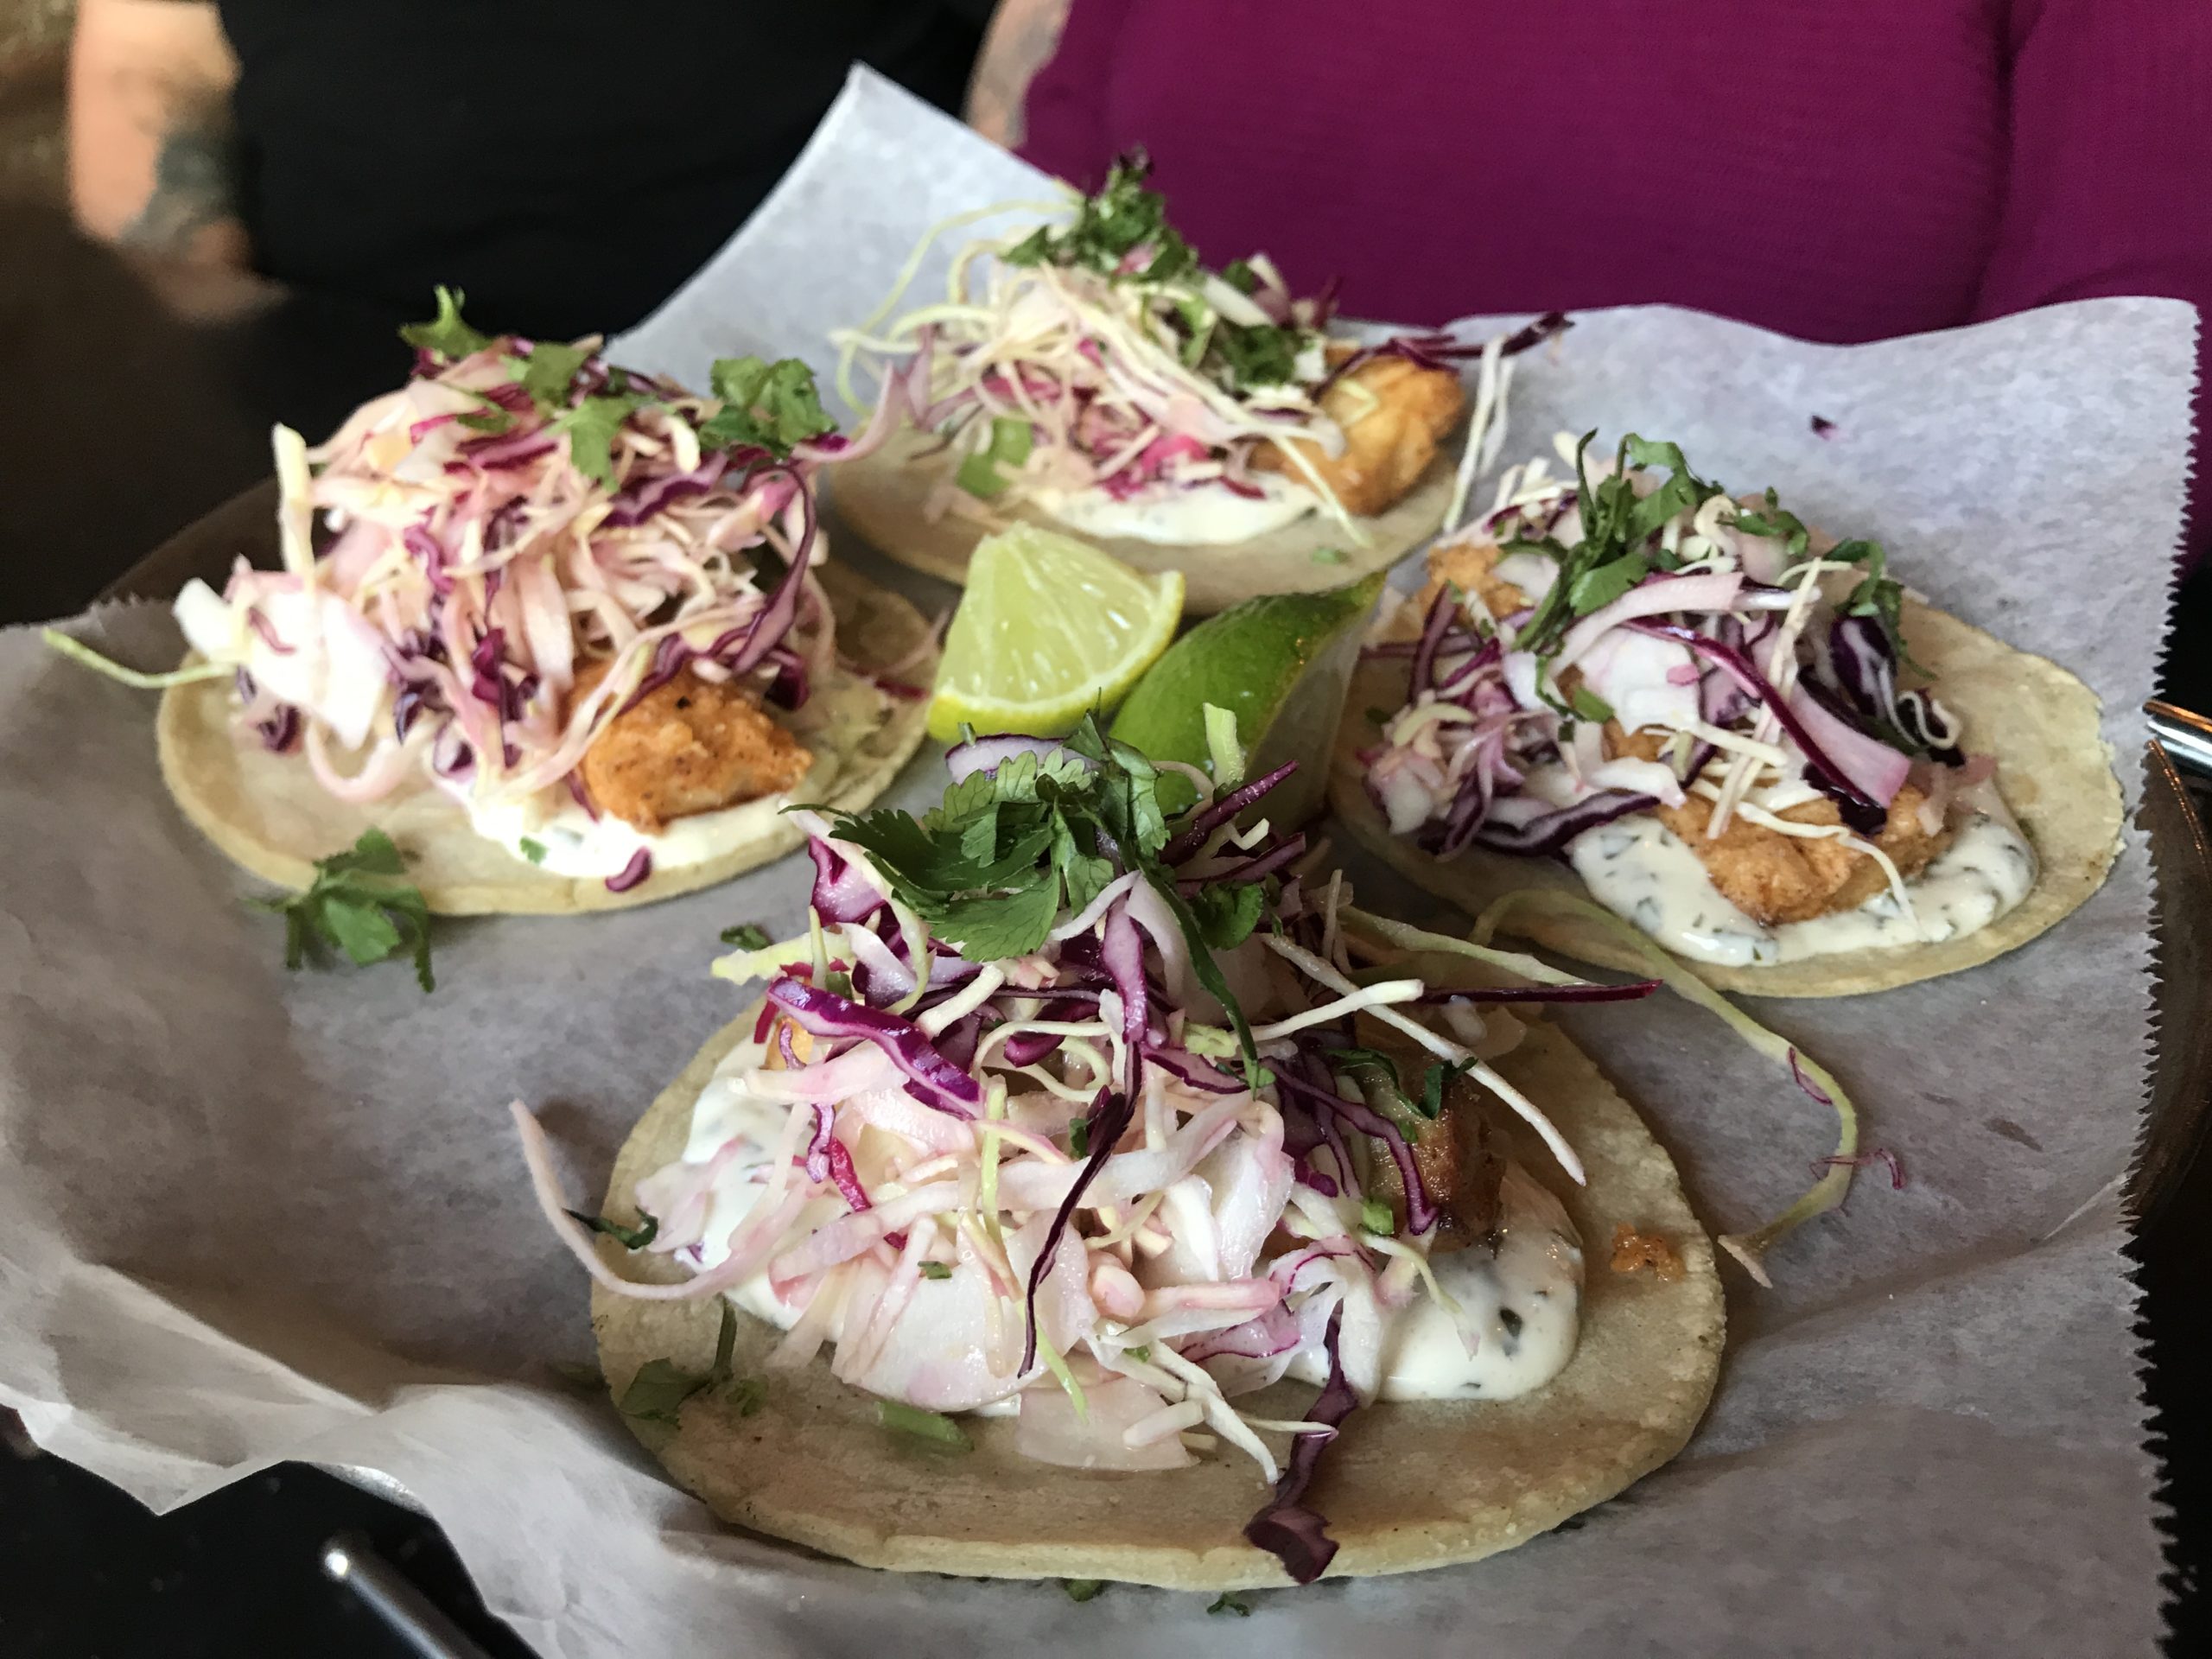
x,y
1841,171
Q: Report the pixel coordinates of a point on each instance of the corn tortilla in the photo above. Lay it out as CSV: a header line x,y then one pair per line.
x,y
2054,770
1409,1485
883,498
269,815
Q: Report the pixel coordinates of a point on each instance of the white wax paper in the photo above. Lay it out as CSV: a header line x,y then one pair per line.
x,y
246,1216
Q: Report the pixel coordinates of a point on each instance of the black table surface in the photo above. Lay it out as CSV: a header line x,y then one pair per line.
x,y
126,424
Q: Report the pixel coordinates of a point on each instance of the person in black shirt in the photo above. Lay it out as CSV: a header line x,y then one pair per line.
x,y
569,165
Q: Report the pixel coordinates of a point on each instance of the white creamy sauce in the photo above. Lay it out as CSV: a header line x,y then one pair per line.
x,y
574,844
1645,873
1519,1312
1201,515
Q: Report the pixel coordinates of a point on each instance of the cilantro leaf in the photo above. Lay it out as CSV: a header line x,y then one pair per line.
x,y
1374,1218
658,1391
1228,1601
549,370
936,1270
980,474
355,906
1120,219
747,936
446,334
1617,523
772,406
628,1236
1227,912
532,850
991,926
590,427
1081,1589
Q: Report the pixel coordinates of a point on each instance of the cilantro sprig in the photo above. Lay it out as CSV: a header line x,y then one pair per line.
x,y
446,334
990,868
355,904
1612,555
772,406
659,1388
1125,218
1110,225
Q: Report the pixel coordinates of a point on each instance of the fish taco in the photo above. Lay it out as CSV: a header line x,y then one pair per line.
x,y
1744,737
1092,1195
1093,375
568,635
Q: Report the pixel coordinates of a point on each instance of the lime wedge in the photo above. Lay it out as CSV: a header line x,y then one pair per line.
x,y
1281,664
1049,629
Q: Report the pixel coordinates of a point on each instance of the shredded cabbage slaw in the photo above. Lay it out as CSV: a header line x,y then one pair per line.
x,y
1769,664
1049,1176
1132,371
516,514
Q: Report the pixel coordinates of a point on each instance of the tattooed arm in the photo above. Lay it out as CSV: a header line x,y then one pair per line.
x,y
152,163
1021,40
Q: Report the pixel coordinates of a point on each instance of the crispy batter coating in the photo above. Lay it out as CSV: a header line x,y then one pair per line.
x,y
1633,1251
1394,413
1457,1156
689,746
1469,566
1773,878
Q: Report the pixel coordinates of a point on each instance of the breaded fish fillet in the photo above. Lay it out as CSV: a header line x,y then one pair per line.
x,y
688,745
1394,413
1469,566
1775,878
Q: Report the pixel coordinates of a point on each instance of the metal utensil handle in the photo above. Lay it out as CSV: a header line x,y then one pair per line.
x,y
348,1560
2185,737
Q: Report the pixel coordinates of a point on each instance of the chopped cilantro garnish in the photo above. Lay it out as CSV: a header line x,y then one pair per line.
x,y
658,1392
931,1426
772,406
591,426
1374,1218
1261,355
1141,1354
936,1270
747,936
1227,915
629,1237
1616,524
984,474
991,868
1079,1138
446,334
1231,1602
1081,1589
549,370
532,850
356,906
1110,225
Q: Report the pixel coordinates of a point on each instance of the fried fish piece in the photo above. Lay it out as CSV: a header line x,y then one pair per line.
x,y
1472,568
1394,413
688,745
1775,878
1457,1154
